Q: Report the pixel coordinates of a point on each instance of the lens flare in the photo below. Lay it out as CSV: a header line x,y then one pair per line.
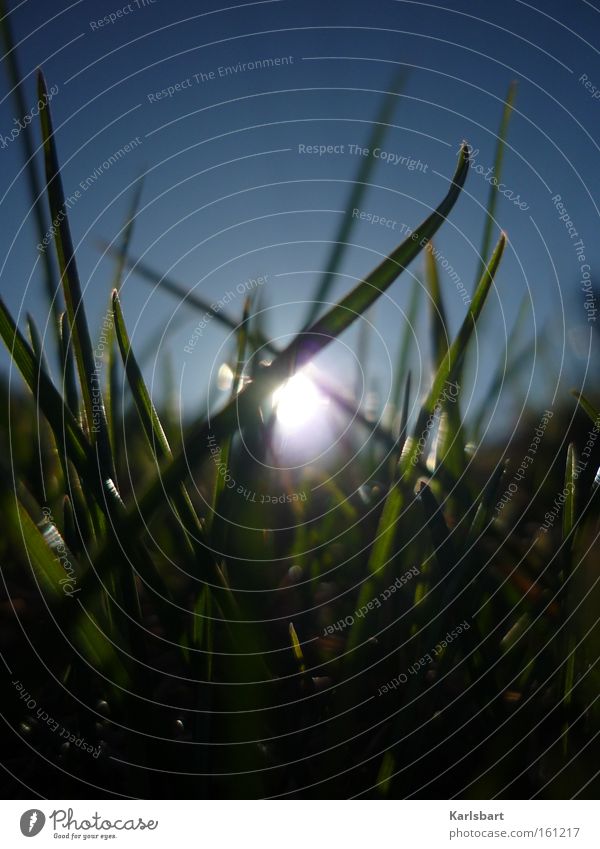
x,y
297,402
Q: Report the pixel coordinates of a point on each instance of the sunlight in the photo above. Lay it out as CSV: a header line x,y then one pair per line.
x,y
297,401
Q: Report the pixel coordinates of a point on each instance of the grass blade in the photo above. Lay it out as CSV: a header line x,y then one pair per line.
x,y
82,345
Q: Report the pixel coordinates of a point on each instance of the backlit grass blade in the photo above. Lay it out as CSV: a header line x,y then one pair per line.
x,y
396,502
147,412
311,341
113,405
159,443
359,190
450,444
451,362
82,344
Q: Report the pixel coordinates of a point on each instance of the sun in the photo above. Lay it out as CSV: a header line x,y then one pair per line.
x,y
297,401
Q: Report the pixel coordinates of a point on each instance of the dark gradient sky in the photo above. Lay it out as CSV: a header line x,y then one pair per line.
x,y
227,195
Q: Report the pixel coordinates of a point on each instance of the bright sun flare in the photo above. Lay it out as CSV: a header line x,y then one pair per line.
x,y
297,401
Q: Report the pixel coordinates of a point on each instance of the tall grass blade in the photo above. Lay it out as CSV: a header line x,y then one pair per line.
x,y
82,344
359,190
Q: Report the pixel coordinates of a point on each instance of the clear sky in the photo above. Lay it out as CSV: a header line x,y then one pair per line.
x,y
231,192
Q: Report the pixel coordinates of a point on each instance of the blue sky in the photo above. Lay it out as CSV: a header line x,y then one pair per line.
x,y
228,195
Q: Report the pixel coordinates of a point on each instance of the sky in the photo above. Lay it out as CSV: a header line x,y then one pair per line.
x,y
222,109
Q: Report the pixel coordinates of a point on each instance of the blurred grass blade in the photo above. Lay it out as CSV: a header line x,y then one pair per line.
x,y
359,190
587,406
82,344
569,509
297,648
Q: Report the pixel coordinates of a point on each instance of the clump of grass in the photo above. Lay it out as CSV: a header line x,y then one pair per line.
x,y
402,640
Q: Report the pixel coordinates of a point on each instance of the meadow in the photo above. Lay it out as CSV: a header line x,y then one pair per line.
x,y
184,615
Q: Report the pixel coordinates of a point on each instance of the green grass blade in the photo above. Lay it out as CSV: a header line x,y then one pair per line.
x,y
359,190
452,361
146,410
113,407
312,340
82,345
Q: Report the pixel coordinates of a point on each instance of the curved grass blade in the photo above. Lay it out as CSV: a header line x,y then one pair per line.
x,y
82,345
359,190
311,341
